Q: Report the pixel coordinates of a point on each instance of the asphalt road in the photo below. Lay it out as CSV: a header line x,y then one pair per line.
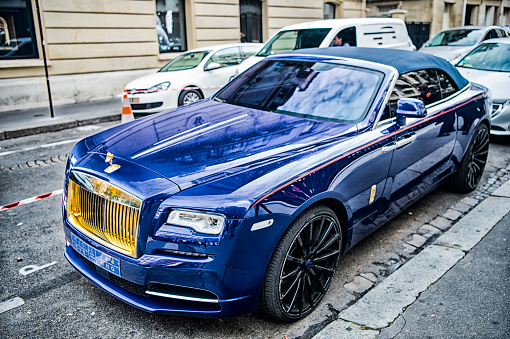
x,y
58,302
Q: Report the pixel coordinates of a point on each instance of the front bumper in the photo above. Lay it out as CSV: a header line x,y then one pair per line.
x,y
159,284
147,103
500,120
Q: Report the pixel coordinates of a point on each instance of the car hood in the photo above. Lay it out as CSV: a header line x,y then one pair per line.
x,y
446,52
154,79
209,140
497,82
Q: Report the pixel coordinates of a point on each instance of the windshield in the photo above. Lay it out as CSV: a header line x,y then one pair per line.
x,y
489,57
286,41
457,37
318,90
185,61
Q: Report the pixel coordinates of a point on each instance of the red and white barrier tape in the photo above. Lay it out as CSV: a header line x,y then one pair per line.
x,y
174,89
30,200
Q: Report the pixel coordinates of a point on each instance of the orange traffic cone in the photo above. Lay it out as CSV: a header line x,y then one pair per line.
x,y
127,112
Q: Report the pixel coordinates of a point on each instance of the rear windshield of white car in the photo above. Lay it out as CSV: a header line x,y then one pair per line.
x,y
285,41
317,90
488,57
457,37
185,61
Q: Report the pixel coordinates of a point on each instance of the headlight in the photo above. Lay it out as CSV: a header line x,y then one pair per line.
x,y
200,222
160,87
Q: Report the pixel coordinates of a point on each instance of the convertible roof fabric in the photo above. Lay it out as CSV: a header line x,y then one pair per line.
x,y
403,61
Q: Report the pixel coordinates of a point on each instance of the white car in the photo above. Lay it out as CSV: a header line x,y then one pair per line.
x,y
352,32
453,44
190,77
489,65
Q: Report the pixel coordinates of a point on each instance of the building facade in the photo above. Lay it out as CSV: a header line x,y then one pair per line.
x,y
89,49
443,14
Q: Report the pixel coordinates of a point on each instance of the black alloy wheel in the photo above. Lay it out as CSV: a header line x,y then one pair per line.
x,y
473,164
302,266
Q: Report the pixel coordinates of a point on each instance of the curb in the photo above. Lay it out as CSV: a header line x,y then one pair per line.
x,y
18,133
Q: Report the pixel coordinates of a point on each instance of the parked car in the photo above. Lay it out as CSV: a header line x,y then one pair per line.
x,y
489,65
190,77
360,32
290,165
453,44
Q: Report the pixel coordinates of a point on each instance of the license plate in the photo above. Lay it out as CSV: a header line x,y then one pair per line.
x,y
134,100
97,257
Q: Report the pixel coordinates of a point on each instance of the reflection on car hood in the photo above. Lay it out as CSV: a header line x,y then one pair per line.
x,y
446,52
208,139
497,82
154,79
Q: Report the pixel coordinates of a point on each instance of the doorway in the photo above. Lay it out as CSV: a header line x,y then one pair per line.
x,y
251,20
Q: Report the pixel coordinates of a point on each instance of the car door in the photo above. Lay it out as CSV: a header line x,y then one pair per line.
x,y
219,68
423,146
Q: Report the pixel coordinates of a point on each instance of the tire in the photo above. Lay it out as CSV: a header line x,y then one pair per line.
x,y
471,168
302,266
189,96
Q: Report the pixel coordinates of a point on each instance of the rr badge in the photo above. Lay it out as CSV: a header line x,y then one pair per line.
x,y
112,167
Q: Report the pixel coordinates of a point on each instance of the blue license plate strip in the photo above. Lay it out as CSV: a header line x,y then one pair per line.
x,y
97,257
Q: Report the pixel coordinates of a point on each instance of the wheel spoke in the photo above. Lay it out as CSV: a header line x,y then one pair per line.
x,y
329,243
321,268
316,281
326,256
290,274
295,295
291,287
323,238
317,235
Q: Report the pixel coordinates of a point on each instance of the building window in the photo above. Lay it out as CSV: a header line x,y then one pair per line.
x,y
17,35
329,10
251,20
171,25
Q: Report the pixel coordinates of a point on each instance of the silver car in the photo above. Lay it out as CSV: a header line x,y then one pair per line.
x,y
489,65
452,44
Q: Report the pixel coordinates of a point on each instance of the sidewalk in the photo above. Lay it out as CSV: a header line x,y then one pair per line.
x,y
15,124
457,287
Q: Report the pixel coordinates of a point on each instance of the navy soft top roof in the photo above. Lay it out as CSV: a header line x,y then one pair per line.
x,y
403,61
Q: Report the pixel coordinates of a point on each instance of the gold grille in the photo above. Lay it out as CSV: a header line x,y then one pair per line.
x,y
110,223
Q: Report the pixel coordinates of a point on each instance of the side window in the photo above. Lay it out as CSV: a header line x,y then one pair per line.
x,y
248,51
346,37
17,34
490,35
421,84
501,33
446,85
227,57
171,25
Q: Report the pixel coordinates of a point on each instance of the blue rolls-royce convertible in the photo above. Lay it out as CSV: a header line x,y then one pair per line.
x,y
249,199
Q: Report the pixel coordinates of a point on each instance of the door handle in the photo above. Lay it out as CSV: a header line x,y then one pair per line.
x,y
406,140
400,143
389,148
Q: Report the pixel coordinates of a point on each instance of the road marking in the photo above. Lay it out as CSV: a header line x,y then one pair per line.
x,y
30,200
34,268
10,304
57,143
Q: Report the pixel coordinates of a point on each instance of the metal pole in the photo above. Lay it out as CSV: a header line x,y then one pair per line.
x,y
44,57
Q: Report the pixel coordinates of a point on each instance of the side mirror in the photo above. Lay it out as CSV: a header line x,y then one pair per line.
x,y
212,65
409,108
